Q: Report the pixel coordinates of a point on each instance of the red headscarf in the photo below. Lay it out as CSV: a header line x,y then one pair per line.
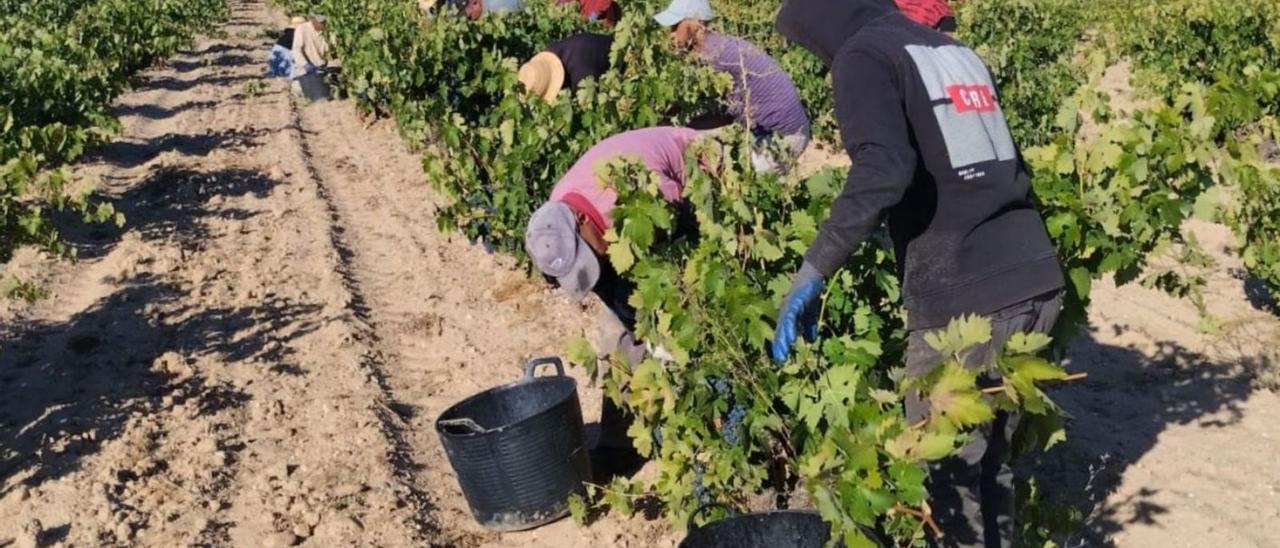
x,y
592,8
926,12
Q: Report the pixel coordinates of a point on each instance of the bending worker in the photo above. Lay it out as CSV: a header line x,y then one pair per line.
x,y
566,64
919,115
309,48
565,240
763,99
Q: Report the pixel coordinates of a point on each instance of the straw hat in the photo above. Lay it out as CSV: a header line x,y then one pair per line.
x,y
298,20
543,75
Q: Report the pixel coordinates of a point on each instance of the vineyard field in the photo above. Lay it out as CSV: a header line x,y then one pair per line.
x,y
230,316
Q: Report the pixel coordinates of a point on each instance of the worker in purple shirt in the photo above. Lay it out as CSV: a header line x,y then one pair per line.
x,y
763,99
565,241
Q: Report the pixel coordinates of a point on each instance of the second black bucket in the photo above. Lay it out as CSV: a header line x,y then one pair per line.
x,y
519,449
776,529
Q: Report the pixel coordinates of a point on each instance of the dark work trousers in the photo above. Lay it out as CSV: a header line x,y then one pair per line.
x,y
971,493
614,291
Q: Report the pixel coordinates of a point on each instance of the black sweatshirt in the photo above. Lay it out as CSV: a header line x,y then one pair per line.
x,y
583,55
918,113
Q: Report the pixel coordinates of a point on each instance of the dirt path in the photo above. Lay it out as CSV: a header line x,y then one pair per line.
x,y
201,377
257,356
1174,438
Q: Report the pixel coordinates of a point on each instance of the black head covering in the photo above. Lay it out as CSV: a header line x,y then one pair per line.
x,y
823,26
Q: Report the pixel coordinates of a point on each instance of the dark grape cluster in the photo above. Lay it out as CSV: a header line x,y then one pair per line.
x,y
731,430
700,490
721,386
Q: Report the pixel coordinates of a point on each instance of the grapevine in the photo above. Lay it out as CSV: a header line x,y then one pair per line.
x,y
722,422
62,63
1115,188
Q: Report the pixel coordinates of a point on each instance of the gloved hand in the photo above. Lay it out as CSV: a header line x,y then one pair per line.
x,y
799,312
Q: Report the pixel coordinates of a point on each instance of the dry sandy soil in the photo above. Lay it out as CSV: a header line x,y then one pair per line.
x,y
256,357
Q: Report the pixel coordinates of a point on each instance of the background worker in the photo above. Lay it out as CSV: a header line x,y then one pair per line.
x,y
280,60
565,240
474,9
763,98
310,50
918,114
935,14
566,63
604,11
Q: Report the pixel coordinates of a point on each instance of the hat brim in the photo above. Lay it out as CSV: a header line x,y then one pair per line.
x,y
668,18
583,275
546,63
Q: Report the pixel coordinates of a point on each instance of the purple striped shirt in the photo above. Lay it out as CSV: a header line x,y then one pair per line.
x,y
773,104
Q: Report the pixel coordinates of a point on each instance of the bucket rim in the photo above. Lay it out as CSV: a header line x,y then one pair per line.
x,y
562,379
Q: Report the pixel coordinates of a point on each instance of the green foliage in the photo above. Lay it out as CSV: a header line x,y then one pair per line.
x,y
721,419
1117,190
451,84
1228,49
1256,215
62,63
1180,41
1029,46
832,418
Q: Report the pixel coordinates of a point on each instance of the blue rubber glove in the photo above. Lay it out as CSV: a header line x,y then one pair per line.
x,y
799,312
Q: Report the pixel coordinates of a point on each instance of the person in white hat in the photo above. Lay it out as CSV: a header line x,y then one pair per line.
x,y
565,64
310,50
565,241
763,99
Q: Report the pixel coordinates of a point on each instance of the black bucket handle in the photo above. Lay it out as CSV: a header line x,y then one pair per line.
x,y
693,518
532,366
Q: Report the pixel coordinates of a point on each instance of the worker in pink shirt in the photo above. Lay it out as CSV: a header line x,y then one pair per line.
x,y
565,240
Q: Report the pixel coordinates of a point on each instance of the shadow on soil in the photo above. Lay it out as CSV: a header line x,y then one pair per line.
x,y
219,48
1117,416
153,112
71,386
128,154
172,204
1258,293
211,80
226,60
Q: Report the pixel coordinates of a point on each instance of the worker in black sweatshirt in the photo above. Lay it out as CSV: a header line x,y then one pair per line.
x,y
920,117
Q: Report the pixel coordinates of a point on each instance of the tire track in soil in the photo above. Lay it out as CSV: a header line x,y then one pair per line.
x,y
107,416
191,380
451,319
392,423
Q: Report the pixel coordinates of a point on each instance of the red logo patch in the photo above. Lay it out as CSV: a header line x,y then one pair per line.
x,y
972,98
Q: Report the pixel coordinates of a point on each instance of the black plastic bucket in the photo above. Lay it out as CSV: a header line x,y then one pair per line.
x,y
518,450
775,529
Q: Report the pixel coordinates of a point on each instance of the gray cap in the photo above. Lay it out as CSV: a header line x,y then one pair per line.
x,y
556,249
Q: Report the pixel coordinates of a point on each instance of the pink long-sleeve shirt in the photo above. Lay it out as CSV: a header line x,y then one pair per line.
x,y
661,149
